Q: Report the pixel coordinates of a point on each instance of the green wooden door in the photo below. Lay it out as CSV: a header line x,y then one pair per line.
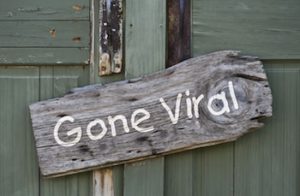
x,y
265,162
50,57
20,86
44,51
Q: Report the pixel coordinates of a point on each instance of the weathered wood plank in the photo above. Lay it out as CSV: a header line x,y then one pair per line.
x,y
117,171
44,56
270,158
111,37
254,27
108,181
44,10
179,174
103,184
214,166
19,174
44,34
208,75
145,53
79,184
55,81
144,178
145,37
179,31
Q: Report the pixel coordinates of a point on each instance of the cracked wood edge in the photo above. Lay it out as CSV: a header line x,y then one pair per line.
x,y
205,73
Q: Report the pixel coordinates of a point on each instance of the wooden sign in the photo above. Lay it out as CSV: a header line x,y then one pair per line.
x,y
203,101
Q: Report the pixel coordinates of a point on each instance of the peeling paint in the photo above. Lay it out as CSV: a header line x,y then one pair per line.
x,y
104,66
29,9
47,12
52,33
87,62
117,68
103,184
78,7
110,37
9,14
76,39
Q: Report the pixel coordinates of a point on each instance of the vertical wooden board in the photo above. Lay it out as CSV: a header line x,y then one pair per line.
x,y
252,165
213,170
267,29
179,172
267,161
213,166
117,171
71,185
118,180
145,37
56,81
79,184
179,31
95,55
145,53
144,178
108,181
110,36
19,86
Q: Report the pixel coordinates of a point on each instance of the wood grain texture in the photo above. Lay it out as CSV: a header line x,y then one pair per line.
x,y
214,165
179,31
19,174
267,162
59,34
145,52
44,56
208,74
103,182
44,10
179,174
44,42
56,81
144,178
254,27
117,171
118,180
95,54
111,37
145,37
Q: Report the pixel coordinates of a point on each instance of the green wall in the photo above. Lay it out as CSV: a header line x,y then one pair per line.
x,y
44,46
20,86
44,32
262,163
36,65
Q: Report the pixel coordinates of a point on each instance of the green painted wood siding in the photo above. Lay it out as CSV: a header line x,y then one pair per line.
x,y
55,81
44,32
35,33
20,86
19,174
145,51
269,29
263,163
